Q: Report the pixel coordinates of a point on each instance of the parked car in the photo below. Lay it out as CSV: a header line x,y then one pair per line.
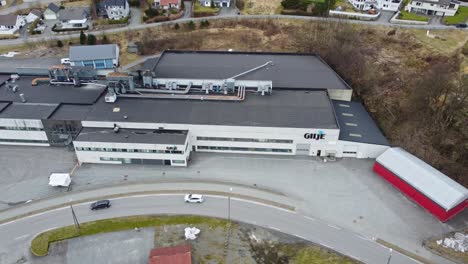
x,y
193,198
100,205
461,25
65,61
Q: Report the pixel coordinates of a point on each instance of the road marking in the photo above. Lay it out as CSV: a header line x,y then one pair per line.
x,y
258,203
310,218
335,227
147,195
20,237
353,257
34,215
363,237
274,228
300,236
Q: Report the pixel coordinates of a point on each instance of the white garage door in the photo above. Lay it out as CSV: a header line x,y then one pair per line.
x,y
350,151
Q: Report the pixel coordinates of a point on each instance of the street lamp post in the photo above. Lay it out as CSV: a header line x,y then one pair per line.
x,y
75,219
229,205
389,256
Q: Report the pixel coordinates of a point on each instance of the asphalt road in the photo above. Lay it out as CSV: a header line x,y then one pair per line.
x,y
8,42
18,234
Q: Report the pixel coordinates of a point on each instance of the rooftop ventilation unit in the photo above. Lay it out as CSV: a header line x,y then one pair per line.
x,y
23,98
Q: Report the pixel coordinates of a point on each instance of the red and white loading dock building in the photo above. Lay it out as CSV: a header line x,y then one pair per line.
x,y
431,189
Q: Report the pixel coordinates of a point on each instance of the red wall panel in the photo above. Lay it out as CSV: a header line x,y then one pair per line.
x,y
418,197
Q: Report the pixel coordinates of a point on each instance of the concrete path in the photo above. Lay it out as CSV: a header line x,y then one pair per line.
x,y
188,9
136,18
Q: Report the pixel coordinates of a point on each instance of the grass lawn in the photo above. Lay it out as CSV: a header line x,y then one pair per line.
x,y
40,244
262,7
411,16
199,8
460,17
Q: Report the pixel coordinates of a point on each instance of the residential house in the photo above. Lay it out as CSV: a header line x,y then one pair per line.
x,y
9,24
103,58
386,5
222,3
115,9
33,15
51,13
73,17
167,4
433,7
206,3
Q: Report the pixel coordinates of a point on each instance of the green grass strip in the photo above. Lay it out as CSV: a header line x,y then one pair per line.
x,y
40,244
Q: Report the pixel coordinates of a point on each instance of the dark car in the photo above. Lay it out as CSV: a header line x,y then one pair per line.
x,y
461,25
100,205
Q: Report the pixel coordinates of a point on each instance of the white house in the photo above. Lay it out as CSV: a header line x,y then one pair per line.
x,y
206,3
222,3
51,13
167,4
387,5
9,24
73,17
33,15
433,7
116,9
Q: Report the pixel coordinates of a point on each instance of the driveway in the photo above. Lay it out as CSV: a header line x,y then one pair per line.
x,y
229,11
188,9
136,16
385,16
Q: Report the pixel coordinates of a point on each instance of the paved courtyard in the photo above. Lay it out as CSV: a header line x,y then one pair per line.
x,y
345,193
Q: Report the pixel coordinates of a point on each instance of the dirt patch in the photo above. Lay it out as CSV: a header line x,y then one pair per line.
x,y
260,7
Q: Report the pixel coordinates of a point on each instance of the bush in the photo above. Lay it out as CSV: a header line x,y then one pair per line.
x,y
176,26
190,25
151,12
59,43
204,23
91,39
82,38
105,40
134,3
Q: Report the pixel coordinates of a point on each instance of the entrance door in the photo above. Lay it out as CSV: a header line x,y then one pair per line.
x,y
303,149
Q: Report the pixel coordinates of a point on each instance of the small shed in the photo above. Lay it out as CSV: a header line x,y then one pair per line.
x,y
51,13
33,15
132,47
431,189
59,179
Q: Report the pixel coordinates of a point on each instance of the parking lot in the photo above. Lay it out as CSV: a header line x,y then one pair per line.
x,y
345,193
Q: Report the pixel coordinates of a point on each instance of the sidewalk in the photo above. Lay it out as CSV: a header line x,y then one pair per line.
x,y
162,187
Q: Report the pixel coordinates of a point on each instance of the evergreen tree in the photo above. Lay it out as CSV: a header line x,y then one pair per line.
x,y
82,38
91,39
59,43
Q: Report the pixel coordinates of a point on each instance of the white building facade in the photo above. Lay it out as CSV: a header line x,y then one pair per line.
x,y
117,9
433,7
386,5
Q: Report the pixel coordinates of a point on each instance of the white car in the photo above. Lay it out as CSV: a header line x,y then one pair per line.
x,y
193,198
65,61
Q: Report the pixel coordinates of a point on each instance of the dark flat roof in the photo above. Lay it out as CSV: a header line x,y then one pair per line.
x,y
297,109
144,136
51,94
356,124
71,112
289,70
28,111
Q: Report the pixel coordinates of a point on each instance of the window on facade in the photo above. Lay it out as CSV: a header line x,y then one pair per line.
x,y
244,149
260,140
418,3
24,140
178,161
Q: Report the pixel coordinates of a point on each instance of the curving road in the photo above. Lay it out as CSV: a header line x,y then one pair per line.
x,y
8,42
15,236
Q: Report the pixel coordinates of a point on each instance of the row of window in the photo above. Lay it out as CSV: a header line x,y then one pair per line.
x,y
22,128
287,141
130,161
130,150
244,149
24,141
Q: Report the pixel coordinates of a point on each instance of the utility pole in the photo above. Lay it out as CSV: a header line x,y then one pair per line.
x,y
75,219
389,256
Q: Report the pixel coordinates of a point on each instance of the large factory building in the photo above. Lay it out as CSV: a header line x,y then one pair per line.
x,y
186,101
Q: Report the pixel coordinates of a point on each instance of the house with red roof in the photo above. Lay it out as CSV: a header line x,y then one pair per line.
x,y
167,4
181,254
